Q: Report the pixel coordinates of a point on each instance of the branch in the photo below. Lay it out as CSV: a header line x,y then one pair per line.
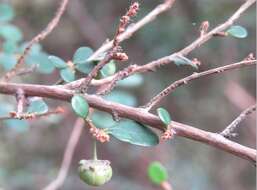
x,y
68,155
202,39
167,59
137,114
228,131
21,101
155,100
115,52
135,27
30,116
41,36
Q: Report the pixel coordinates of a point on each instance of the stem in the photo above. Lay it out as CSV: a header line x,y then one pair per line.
x,y
94,150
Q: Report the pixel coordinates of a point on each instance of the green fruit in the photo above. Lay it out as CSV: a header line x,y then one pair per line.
x,y
95,172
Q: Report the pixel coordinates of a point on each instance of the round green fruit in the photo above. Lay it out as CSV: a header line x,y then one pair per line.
x,y
95,172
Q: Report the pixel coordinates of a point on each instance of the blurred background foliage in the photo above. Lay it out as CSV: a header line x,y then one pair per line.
x,y
31,152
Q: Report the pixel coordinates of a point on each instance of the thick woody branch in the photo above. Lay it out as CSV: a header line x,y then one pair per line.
x,y
138,114
229,130
41,36
171,88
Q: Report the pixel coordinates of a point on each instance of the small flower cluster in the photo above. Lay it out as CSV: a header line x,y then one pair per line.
x,y
120,56
99,134
169,133
133,9
117,53
15,115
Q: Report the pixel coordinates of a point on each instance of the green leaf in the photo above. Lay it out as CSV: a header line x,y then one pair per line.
x,y
11,33
57,62
132,81
157,173
45,66
164,116
80,106
81,55
6,12
237,31
134,133
9,47
109,69
121,97
102,120
19,126
181,60
85,67
41,60
37,106
67,74
8,61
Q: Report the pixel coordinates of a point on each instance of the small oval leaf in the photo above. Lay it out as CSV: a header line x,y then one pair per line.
x,y
19,126
10,47
134,133
37,106
85,67
57,62
8,61
108,70
132,81
164,116
237,31
121,97
81,55
181,60
157,173
67,74
80,106
42,61
6,12
11,32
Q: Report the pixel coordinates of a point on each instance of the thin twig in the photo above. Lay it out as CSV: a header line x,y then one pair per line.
x,y
30,116
134,28
68,155
137,114
26,71
114,53
156,99
202,39
21,101
229,130
119,76
84,85
41,36
170,58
